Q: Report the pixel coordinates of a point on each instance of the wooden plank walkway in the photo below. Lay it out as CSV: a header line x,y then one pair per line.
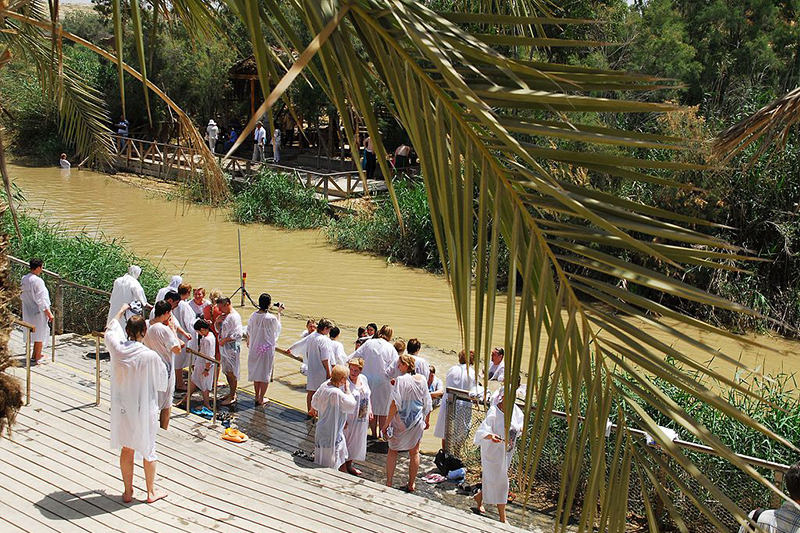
x,y
59,475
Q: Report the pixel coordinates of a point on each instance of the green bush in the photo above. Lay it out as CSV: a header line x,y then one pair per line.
x,y
274,198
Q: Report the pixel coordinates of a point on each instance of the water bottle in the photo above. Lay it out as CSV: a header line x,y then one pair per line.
x,y
456,474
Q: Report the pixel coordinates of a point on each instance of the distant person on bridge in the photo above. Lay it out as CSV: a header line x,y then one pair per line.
x,y
212,132
230,342
138,374
259,139
369,154
126,290
263,330
276,145
36,306
402,156
122,131
232,136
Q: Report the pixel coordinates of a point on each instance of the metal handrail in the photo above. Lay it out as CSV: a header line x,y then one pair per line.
x,y
192,354
31,329
464,395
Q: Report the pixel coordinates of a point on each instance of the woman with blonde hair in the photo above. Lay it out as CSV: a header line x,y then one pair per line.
x,y
355,430
380,367
333,401
460,376
408,418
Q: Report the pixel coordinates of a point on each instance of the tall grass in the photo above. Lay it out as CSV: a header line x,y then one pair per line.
x,y
276,198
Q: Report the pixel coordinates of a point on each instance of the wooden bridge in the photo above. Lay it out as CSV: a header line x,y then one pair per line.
x,y
58,474
175,162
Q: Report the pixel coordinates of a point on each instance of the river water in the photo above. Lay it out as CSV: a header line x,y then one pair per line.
x,y
298,268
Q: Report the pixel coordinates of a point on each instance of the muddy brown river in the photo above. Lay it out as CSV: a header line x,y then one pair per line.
x,y
298,268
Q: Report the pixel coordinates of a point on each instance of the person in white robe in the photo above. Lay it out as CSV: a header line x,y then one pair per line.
x,y
36,307
212,132
174,283
263,330
311,327
163,340
408,418
185,318
318,352
497,450
460,376
203,374
199,303
435,386
357,425
138,374
339,354
333,400
497,368
420,363
126,289
230,346
380,367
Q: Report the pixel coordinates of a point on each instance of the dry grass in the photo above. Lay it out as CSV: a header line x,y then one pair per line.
x,y
10,389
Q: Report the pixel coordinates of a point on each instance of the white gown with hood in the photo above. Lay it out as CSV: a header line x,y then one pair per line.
x,y
263,330
35,300
458,377
186,318
137,376
355,431
496,456
126,290
333,406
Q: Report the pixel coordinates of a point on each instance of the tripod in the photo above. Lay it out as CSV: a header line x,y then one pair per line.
x,y
242,275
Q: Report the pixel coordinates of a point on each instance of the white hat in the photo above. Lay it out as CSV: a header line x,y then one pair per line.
x,y
212,123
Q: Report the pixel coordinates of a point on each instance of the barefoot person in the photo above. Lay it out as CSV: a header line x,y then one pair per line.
x,y
185,317
357,425
161,338
203,374
496,454
408,419
318,352
333,401
230,342
138,374
263,330
380,366
36,307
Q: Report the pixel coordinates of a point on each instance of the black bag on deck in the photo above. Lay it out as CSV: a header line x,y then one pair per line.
x,y
447,463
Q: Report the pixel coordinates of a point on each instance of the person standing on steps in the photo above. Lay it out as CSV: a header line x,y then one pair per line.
x,y
137,376
163,340
259,138
185,318
263,330
230,342
36,306
318,352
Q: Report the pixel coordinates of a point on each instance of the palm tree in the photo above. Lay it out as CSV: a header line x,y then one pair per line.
x,y
489,125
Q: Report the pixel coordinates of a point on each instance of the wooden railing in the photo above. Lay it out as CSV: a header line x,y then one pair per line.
x,y
30,328
172,161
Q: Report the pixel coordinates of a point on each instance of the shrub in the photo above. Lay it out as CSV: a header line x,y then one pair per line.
x,y
278,199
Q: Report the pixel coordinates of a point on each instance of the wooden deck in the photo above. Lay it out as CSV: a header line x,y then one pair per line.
x,y
58,473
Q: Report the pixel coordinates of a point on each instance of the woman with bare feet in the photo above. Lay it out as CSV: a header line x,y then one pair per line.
x,y
357,425
263,330
408,419
137,376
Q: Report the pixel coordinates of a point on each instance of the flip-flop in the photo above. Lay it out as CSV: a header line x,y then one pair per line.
x,y
432,479
234,435
476,510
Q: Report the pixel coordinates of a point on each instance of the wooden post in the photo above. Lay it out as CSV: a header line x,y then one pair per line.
x,y
28,368
774,499
59,305
325,187
53,343
252,96
97,370
189,382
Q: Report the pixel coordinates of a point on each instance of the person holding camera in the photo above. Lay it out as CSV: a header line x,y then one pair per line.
x,y
263,330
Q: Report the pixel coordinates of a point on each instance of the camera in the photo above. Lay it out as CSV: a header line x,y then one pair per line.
x,y
279,305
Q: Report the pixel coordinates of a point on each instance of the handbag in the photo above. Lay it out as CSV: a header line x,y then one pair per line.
x,y
446,463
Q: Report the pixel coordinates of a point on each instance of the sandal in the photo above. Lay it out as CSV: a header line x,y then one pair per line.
x,y
302,454
234,435
476,510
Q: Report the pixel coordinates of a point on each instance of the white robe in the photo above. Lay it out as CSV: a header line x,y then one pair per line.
x,y
185,318
207,347
173,286
161,339
35,301
355,431
229,353
435,386
333,406
496,456
457,378
421,366
137,376
316,348
380,366
263,330
339,355
497,372
410,395
198,309
126,289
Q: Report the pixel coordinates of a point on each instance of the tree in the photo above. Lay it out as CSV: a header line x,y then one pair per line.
x,y
458,97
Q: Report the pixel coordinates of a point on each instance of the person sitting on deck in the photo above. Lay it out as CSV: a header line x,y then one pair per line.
x,y
137,376
786,518
333,400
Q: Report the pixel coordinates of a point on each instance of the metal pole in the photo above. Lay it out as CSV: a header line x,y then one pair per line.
x,y
97,370
216,380
53,345
189,384
59,305
241,277
28,368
